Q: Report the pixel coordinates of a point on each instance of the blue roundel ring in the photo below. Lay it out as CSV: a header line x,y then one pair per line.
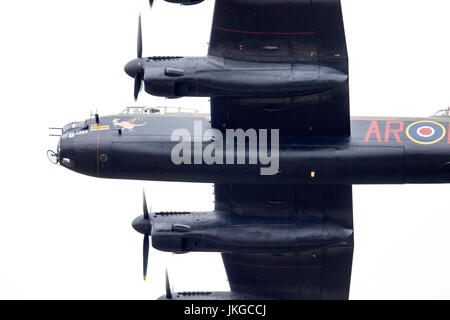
x,y
425,132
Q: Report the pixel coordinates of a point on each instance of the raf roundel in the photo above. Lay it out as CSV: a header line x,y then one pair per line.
x,y
425,132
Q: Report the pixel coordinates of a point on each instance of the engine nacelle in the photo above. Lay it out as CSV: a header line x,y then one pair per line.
x,y
219,232
170,89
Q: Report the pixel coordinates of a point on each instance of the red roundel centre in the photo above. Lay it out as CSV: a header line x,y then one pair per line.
x,y
425,131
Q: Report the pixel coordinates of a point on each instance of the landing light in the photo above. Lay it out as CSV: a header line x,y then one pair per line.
x,y
68,163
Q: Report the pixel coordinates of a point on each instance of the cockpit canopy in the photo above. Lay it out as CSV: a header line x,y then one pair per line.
x,y
140,110
158,110
74,125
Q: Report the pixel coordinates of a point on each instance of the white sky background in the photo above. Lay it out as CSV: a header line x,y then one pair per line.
x,y
64,235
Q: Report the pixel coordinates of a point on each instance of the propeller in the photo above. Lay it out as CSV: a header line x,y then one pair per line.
x,y
138,77
142,224
137,85
139,39
146,236
146,246
168,289
146,250
135,67
146,215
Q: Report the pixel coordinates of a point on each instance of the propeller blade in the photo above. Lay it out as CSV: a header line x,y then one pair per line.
x,y
137,85
146,250
139,44
168,290
150,2
146,214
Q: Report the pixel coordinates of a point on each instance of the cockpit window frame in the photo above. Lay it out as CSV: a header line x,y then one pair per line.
x,y
158,110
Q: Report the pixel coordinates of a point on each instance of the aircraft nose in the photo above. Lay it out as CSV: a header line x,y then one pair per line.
x,y
142,225
133,67
81,151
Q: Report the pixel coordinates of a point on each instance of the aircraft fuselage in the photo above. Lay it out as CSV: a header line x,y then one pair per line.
x,y
379,151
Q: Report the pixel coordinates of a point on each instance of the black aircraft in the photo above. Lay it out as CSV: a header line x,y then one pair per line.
x,y
279,145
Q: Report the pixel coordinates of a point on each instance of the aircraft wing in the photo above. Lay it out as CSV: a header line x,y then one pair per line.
x,y
295,32
283,31
306,274
279,31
